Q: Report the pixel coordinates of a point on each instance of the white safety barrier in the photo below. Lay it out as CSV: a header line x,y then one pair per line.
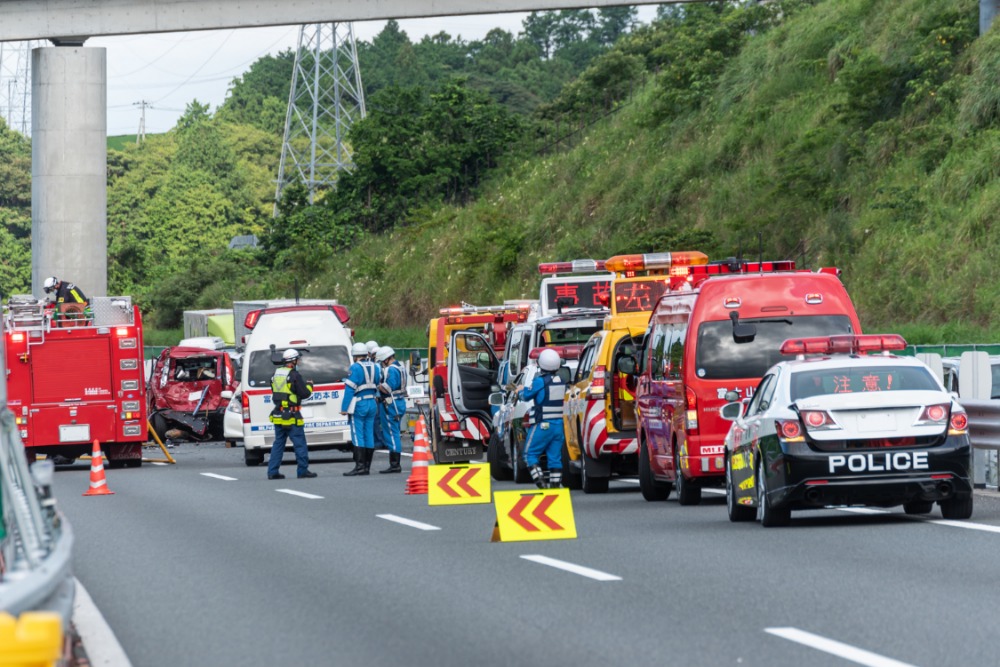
x,y
984,433
35,553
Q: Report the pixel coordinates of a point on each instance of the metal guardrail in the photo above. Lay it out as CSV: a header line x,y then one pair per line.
x,y
984,434
36,550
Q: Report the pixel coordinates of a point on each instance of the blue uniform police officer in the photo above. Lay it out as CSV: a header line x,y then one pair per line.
x,y
548,391
373,348
288,390
360,404
393,390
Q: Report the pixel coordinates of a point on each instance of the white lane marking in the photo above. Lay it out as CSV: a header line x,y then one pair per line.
x,y
839,649
985,527
407,522
158,463
300,494
629,481
386,451
222,477
572,567
718,492
97,636
862,510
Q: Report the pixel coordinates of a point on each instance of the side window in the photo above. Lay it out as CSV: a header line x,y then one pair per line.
x,y
656,353
765,400
586,360
673,358
515,353
765,388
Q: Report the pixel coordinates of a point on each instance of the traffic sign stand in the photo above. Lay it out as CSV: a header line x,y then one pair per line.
x,y
546,514
458,484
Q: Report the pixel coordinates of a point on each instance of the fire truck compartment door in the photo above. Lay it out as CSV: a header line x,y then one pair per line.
x,y
72,370
472,372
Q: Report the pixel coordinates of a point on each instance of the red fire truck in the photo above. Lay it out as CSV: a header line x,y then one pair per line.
x,y
463,373
73,381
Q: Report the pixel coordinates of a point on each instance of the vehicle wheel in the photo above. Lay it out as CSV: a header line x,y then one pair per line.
x,y
591,484
253,457
498,471
652,489
159,426
918,507
571,478
770,517
737,512
958,507
688,493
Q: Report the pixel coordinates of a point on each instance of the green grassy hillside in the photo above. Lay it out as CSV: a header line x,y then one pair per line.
x,y
855,133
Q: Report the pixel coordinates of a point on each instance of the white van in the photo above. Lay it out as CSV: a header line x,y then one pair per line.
x,y
317,332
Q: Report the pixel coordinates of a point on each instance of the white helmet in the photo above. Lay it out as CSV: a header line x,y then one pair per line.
x,y
371,346
384,353
291,354
50,283
359,350
549,360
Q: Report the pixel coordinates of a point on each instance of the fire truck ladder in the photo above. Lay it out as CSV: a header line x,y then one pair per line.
x,y
27,314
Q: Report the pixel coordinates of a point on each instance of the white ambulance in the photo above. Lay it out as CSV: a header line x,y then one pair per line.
x,y
319,334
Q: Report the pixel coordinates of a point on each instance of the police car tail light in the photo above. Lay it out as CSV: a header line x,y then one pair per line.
x,y
692,410
576,266
934,414
818,420
789,430
959,423
597,385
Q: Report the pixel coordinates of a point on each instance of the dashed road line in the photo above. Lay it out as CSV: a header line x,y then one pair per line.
x,y
833,647
407,522
158,463
222,477
985,527
718,492
300,494
590,573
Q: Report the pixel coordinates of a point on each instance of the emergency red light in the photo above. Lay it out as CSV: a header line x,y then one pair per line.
x,y
844,344
576,266
17,337
250,321
655,261
341,313
121,331
564,351
518,308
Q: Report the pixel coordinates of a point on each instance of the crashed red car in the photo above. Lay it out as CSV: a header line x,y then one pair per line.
x,y
189,390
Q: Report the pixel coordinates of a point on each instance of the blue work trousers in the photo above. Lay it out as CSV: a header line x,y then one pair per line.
x,y
363,424
392,418
377,434
547,441
297,434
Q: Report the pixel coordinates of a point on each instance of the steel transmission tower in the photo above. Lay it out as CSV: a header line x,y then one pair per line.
x,y
325,99
15,84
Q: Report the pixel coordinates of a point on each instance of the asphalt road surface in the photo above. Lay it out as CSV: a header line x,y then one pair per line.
x,y
206,562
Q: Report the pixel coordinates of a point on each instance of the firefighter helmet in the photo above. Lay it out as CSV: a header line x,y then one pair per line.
x,y
385,353
549,360
291,354
371,346
50,284
359,350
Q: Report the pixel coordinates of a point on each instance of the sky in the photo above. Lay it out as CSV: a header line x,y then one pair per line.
x,y
169,70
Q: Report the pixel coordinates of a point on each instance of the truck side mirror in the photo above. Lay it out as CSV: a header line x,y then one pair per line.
x,y
415,363
626,365
731,411
496,398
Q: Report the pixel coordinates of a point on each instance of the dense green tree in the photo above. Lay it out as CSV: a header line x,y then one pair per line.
x,y
260,97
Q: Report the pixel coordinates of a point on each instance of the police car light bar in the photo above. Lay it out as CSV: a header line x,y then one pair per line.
x,y
844,344
655,261
576,266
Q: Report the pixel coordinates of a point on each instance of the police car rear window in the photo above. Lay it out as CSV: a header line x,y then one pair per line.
x,y
856,379
319,365
719,357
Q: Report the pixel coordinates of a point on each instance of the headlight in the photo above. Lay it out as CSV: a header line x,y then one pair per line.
x,y
235,405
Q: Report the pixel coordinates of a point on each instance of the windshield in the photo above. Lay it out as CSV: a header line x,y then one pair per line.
x,y
719,357
318,365
853,379
571,336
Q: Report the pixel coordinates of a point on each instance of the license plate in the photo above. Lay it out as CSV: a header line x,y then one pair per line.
x,y
74,433
869,422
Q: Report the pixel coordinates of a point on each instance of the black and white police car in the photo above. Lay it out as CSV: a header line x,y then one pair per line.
x,y
843,427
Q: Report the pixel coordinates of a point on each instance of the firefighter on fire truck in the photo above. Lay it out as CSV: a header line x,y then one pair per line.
x,y
70,301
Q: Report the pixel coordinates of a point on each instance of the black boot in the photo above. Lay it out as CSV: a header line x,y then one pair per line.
x,y
369,455
359,466
393,463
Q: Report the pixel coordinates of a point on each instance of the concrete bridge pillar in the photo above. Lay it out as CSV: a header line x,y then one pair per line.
x,y
69,159
987,12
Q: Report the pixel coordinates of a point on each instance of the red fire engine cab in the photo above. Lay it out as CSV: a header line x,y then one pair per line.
x,y
73,381
463,374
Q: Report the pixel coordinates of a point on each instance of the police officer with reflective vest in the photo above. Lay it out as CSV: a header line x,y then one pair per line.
x,y
288,390
393,390
380,442
548,391
360,403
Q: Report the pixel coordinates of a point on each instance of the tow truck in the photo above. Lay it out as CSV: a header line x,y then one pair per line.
x,y
73,381
464,345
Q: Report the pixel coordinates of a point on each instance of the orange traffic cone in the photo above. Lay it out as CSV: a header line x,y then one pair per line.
x,y
98,484
417,483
